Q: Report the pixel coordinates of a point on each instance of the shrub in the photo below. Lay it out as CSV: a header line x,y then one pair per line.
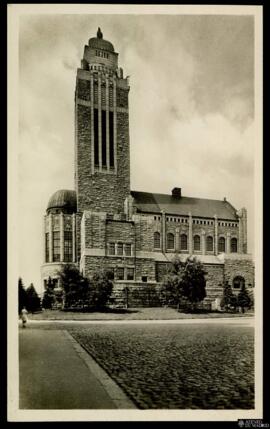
x,y
184,284
100,289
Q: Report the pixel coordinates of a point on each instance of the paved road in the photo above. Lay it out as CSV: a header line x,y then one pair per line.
x,y
54,376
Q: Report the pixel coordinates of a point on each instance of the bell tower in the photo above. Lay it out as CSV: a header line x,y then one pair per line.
x,y
102,156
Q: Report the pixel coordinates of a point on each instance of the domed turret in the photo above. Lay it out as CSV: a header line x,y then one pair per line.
x,y
99,43
64,201
99,55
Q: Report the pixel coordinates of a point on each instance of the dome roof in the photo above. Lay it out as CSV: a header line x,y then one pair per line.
x,y
63,199
99,43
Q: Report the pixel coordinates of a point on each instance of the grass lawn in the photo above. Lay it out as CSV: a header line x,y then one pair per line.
x,y
176,366
155,313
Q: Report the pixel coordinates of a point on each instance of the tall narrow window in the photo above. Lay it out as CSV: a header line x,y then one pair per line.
x,y
183,242
120,273
111,139
47,252
221,244
209,243
120,249
197,242
128,249
68,246
130,273
157,240
56,246
96,155
111,249
234,245
103,138
170,241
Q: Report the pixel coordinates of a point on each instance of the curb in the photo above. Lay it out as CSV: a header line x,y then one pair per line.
x,y
116,394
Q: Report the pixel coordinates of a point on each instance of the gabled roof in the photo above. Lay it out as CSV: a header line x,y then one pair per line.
x,y
147,202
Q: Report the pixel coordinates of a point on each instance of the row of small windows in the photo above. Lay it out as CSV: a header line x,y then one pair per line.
x,y
120,249
196,242
102,54
234,225
196,221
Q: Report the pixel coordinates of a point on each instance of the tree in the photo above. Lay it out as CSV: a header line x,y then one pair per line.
x,y
75,287
193,282
33,300
22,296
185,281
243,299
171,290
101,288
228,297
48,296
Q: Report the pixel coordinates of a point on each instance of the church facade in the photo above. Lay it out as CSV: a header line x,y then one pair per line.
x,y
104,224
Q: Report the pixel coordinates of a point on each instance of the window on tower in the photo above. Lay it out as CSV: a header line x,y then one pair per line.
x,y
67,246
96,155
111,139
56,246
103,137
47,252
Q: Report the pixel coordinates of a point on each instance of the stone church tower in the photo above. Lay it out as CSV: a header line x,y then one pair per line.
x,y
103,224
102,159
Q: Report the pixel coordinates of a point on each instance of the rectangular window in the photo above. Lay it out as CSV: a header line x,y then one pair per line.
x,y
56,246
120,249
111,249
96,155
103,138
68,246
130,273
128,249
111,139
120,273
47,244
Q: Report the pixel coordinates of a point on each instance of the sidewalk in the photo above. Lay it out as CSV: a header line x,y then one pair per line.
x,y
56,373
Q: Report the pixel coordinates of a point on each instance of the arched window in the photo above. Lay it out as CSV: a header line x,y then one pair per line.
x,y
238,282
221,244
197,242
233,245
157,240
183,242
170,241
209,243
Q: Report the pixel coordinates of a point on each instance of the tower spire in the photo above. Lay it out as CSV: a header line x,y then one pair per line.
x,y
99,34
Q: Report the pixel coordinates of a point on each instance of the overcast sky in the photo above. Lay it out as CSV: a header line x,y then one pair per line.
x,y
191,110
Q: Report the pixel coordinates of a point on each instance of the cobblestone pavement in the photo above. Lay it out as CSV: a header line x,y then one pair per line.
x,y
185,366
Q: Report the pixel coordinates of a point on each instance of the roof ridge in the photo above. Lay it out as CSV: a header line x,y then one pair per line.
x,y
183,196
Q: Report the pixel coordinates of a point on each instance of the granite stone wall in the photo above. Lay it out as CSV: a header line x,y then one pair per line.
x,y
243,267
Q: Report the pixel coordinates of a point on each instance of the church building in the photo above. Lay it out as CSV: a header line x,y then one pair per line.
x,y
103,223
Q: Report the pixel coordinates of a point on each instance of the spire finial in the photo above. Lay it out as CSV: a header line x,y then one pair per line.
x,y
99,33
